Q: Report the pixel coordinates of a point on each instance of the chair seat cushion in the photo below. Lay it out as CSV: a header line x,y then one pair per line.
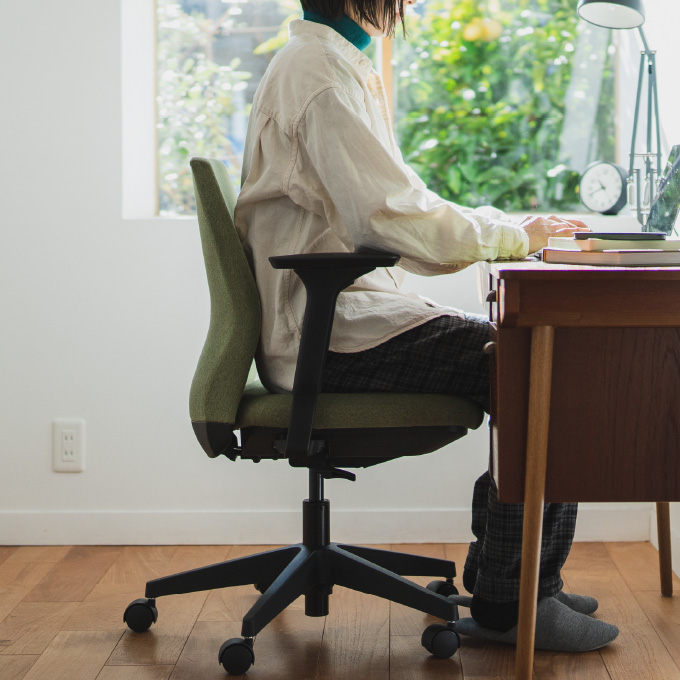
x,y
260,408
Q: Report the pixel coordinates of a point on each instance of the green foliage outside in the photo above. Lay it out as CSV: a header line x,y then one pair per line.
x,y
194,98
482,87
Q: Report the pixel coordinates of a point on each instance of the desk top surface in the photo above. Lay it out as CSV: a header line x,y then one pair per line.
x,y
531,270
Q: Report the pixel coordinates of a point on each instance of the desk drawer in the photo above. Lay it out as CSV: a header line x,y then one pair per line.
x,y
614,414
606,303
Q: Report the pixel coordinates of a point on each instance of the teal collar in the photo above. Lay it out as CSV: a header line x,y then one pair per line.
x,y
346,27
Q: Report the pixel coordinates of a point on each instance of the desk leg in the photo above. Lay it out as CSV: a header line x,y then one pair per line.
x,y
540,377
663,527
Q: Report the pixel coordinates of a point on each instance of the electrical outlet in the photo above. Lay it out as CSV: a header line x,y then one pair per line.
x,y
68,445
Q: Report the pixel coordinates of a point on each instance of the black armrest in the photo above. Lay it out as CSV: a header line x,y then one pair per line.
x,y
334,260
325,276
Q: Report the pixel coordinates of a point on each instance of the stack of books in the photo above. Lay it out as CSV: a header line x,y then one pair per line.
x,y
645,249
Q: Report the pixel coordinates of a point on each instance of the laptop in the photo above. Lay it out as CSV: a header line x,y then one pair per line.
x,y
664,210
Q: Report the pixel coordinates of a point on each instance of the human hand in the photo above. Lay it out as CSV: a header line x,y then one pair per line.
x,y
540,229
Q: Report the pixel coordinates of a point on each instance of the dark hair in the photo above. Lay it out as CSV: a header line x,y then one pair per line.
x,y
377,12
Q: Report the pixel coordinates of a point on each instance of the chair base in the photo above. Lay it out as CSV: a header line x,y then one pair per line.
x,y
287,573
312,568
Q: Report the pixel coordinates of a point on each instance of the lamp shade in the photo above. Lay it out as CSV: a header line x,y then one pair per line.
x,y
613,13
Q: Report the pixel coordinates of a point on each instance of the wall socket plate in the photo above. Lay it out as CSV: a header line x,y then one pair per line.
x,y
68,445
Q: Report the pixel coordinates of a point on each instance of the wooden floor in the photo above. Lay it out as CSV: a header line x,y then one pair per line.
x,y
61,619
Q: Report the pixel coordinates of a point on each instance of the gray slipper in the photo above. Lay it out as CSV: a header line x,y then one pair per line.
x,y
583,604
558,629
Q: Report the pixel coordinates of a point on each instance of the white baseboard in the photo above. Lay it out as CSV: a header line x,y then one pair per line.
x,y
613,522
597,522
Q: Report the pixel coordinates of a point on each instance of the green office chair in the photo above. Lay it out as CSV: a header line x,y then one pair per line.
x,y
321,432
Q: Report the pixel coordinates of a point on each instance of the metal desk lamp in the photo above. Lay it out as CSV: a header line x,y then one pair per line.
x,y
631,14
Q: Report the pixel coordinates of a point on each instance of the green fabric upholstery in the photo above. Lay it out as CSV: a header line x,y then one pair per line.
x,y
235,313
259,408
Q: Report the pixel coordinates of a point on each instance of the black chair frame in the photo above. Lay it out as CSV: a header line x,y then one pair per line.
x,y
312,567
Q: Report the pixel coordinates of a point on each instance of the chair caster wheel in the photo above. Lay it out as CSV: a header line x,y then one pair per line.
x,y
262,587
236,656
440,640
140,614
442,588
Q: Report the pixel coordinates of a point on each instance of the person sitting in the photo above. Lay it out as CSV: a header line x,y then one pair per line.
x,y
322,173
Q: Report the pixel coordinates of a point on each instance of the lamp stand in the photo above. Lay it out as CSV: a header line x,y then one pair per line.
x,y
638,197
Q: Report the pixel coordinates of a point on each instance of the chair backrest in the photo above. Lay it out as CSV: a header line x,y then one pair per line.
x,y
235,311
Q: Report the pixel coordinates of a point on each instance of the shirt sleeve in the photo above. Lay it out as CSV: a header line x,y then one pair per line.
x,y
380,201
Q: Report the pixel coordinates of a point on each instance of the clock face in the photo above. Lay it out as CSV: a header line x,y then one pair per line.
x,y
603,188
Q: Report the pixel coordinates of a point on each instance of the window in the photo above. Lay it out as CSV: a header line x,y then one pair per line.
x,y
500,102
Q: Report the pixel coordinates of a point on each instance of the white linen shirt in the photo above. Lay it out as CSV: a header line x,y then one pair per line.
x,y
322,173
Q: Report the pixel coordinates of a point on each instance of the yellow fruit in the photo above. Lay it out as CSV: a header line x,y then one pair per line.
x,y
483,29
474,30
491,30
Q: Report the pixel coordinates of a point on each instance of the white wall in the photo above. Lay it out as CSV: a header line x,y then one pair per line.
x,y
104,318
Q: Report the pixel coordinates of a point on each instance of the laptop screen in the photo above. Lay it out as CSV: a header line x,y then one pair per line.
x,y
664,210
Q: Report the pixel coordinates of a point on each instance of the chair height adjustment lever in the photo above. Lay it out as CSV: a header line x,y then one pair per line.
x,y
336,473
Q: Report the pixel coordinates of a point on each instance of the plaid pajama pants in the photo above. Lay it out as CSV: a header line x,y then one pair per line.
x,y
445,356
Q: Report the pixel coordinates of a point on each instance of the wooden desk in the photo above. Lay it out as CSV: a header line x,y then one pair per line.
x,y
585,403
